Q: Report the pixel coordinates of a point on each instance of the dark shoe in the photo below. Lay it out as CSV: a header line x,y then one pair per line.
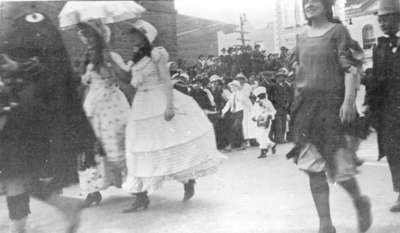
x,y
227,149
358,162
364,215
142,202
93,198
263,154
273,149
189,190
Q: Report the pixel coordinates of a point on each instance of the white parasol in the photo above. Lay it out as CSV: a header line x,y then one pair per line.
x,y
106,11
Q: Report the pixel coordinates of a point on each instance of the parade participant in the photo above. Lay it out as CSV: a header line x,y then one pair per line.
x,y
249,127
383,86
263,114
325,98
47,128
105,104
233,114
168,135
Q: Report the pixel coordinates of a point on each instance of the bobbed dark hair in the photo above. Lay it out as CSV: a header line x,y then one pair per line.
x,y
328,4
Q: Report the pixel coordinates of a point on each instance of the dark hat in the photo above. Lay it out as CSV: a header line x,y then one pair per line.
x,y
224,49
284,48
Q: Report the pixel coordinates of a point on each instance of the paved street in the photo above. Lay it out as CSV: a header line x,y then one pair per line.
x,y
247,195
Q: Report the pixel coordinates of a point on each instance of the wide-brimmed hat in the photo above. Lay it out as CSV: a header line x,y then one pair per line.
x,y
282,72
388,7
241,76
146,28
234,83
215,78
259,90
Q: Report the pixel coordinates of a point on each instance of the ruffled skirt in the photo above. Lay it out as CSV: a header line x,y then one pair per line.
x,y
157,150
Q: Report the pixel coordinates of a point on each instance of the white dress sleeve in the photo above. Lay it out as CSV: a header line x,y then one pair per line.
x,y
159,54
120,61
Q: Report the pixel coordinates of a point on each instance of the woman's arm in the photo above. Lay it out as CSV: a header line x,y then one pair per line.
x,y
168,88
348,109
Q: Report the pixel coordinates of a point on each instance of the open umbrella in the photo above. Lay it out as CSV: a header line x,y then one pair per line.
x,y
106,11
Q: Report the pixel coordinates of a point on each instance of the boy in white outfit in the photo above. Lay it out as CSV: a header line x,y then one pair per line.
x,y
263,114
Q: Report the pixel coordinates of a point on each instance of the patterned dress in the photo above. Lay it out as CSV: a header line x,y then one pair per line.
x,y
107,109
157,150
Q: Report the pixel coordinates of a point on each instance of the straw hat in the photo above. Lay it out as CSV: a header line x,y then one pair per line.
x,y
235,84
148,30
260,90
241,76
215,78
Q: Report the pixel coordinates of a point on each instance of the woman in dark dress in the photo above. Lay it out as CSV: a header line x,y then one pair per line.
x,y
324,101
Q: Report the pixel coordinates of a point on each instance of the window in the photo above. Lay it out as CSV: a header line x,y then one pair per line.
x,y
368,36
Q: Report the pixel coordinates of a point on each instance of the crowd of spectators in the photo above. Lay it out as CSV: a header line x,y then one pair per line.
x,y
208,83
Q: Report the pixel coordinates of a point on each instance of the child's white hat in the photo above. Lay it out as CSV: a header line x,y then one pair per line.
x,y
215,78
260,90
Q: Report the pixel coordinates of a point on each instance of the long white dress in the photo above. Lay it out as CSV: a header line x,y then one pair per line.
x,y
249,127
157,150
107,110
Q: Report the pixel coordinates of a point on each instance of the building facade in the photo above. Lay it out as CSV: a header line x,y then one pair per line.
x,y
198,36
362,22
290,20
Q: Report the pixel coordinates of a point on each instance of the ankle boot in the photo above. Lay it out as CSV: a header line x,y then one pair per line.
x,y
142,202
364,215
189,190
263,154
396,207
93,198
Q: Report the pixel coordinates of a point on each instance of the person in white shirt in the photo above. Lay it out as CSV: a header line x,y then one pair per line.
x,y
233,113
249,127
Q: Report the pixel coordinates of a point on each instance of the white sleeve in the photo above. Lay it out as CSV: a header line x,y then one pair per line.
x,y
120,61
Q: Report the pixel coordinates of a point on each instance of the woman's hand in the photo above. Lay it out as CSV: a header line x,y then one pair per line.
x,y
169,113
347,112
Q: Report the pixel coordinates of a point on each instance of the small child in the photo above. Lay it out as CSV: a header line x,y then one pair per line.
x,y
263,114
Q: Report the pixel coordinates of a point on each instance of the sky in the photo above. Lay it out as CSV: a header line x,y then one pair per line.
x,y
259,12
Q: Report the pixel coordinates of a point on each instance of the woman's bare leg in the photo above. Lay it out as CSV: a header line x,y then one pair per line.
x,y
320,193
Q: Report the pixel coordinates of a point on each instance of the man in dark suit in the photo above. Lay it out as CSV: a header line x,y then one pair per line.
x,y
383,91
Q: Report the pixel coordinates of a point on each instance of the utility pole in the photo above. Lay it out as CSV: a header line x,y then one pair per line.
x,y
242,38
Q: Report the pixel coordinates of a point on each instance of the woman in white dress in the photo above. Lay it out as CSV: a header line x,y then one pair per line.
x,y
105,105
249,127
168,135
